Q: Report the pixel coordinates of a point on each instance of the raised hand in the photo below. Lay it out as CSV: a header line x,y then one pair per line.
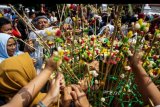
x,y
53,64
53,94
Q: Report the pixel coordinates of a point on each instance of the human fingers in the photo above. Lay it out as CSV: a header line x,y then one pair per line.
x,y
62,85
75,88
80,89
67,98
67,91
75,99
59,77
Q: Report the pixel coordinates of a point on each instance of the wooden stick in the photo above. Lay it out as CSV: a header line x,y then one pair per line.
x,y
28,21
115,33
69,72
62,14
58,99
26,43
152,42
58,10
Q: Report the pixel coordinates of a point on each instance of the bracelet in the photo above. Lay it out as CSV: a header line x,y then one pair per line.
x,y
41,104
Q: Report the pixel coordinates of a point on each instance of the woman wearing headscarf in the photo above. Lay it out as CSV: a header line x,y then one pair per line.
x,y
21,81
8,46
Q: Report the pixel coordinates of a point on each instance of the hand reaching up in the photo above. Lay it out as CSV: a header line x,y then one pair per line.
x,y
135,59
53,64
53,94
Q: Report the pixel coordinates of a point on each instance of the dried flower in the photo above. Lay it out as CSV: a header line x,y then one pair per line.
x,y
103,99
93,73
127,68
58,32
122,76
137,26
130,34
96,82
146,29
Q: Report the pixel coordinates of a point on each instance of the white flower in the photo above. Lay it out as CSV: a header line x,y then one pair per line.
x,y
77,57
150,65
96,81
75,42
80,40
127,68
68,5
146,29
87,47
103,99
122,76
90,55
115,43
116,51
71,38
141,53
59,48
158,35
144,23
95,53
55,53
132,41
94,73
65,46
151,62
129,53
132,23
105,55
137,26
129,90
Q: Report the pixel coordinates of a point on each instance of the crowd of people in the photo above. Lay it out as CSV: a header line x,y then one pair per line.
x,y
25,82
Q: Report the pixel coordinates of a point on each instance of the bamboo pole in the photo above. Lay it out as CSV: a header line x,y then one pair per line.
x,y
119,8
62,14
58,10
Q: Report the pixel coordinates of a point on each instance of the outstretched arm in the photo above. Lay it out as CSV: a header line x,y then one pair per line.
x,y
144,81
24,97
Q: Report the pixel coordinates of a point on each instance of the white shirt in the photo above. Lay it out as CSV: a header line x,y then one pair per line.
x,y
38,54
111,28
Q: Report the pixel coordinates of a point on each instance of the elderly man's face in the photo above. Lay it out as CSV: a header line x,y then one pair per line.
x,y
42,23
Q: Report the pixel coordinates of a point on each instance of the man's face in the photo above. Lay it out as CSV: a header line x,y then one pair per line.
x,y
7,28
42,24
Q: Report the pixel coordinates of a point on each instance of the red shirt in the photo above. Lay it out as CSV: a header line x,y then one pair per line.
x,y
16,33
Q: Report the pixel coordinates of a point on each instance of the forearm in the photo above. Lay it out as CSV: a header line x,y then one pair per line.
x,y
146,84
38,82
27,93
